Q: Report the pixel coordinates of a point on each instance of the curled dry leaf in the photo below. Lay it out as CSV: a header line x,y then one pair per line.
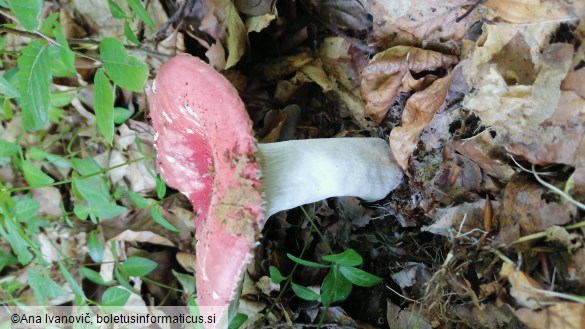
x,y
524,288
420,22
482,150
534,11
418,113
527,209
561,315
383,77
528,112
346,14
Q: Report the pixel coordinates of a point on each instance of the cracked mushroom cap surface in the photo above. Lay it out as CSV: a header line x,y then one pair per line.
x,y
205,149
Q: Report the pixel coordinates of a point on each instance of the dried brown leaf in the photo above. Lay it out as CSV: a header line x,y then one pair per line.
x,y
561,315
527,209
383,76
420,22
418,113
532,11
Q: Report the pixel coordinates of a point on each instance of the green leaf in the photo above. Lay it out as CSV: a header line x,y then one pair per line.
x,y
6,259
306,262
304,292
16,237
61,98
275,274
121,115
94,247
71,281
34,176
335,287
139,10
126,71
34,85
158,218
115,296
94,277
123,281
42,285
237,36
238,321
347,258
138,200
161,187
138,266
27,12
62,58
130,34
186,280
116,10
85,166
8,149
104,106
81,211
359,277
6,88
25,208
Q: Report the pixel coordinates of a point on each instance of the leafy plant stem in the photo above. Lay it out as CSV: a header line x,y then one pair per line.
x,y
314,226
67,181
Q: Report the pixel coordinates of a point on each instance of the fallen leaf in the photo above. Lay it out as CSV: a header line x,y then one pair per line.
x,y
418,113
400,318
528,208
524,288
382,77
532,11
408,22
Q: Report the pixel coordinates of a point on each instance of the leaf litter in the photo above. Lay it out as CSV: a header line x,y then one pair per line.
x,y
468,95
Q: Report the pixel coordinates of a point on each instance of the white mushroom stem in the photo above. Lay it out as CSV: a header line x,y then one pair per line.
x,y
298,172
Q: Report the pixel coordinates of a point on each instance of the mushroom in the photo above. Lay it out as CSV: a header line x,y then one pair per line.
x,y
206,150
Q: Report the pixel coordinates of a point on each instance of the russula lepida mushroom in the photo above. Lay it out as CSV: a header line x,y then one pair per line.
x,y
206,150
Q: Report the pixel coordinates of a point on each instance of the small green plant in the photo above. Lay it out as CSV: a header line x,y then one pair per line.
x,y
342,276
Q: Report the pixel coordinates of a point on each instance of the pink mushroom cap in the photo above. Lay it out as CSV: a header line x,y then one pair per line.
x,y
205,149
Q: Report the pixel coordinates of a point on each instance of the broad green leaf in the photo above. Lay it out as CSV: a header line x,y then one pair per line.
x,y
359,277
237,321
25,208
6,109
116,10
126,71
42,285
161,187
8,149
306,262
34,85
123,281
62,58
237,36
95,249
130,34
275,274
139,10
121,115
85,166
81,211
347,258
47,24
304,292
27,12
61,98
138,200
6,88
104,106
110,211
115,296
95,196
13,233
158,218
186,280
71,281
34,176
335,287
6,259
138,266
94,276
